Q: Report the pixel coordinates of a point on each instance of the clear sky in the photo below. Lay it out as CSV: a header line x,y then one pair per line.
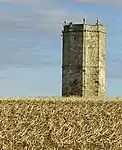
x,y
30,43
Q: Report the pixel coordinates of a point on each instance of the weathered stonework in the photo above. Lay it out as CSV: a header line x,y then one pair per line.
x,y
83,62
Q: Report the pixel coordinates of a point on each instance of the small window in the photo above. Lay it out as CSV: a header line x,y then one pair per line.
x,y
97,82
96,92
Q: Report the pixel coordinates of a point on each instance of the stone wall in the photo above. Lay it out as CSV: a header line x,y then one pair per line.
x,y
72,62
83,63
102,63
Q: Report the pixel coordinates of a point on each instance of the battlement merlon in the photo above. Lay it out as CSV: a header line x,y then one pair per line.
x,y
86,27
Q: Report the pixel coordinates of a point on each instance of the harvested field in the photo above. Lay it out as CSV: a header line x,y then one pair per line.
x,y
57,123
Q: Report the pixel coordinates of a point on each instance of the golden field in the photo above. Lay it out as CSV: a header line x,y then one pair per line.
x,y
56,123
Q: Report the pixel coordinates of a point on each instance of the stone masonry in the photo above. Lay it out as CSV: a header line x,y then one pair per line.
x,y
83,62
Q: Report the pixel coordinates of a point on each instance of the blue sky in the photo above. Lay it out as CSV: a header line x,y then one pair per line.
x,y
30,43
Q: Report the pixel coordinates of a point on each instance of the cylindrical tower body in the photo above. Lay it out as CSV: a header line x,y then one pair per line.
x,y
83,62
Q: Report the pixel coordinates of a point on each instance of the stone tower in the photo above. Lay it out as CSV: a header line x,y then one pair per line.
x,y
83,62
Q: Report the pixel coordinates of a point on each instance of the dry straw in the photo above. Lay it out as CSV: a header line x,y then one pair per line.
x,y
56,123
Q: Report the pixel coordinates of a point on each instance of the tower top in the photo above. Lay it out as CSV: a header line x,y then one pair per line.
x,y
98,22
70,24
84,20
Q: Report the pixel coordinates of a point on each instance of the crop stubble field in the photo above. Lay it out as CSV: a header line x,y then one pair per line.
x,y
57,123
